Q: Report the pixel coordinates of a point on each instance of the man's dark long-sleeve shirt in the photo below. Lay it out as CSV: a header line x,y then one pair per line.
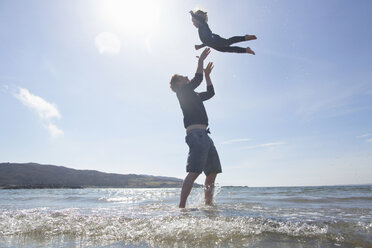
x,y
192,103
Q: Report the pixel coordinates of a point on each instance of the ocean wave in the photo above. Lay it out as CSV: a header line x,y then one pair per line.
x,y
183,228
325,199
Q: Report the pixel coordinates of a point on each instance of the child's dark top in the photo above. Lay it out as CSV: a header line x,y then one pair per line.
x,y
206,36
192,103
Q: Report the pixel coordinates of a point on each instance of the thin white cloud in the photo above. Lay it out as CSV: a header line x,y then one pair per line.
x,y
107,43
266,145
4,88
364,135
232,141
44,109
369,140
272,144
239,167
47,111
54,130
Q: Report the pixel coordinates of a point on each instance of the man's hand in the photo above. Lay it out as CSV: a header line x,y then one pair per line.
x,y
207,72
208,69
202,57
204,54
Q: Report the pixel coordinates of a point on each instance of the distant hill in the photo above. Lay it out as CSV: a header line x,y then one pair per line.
x,y
33,175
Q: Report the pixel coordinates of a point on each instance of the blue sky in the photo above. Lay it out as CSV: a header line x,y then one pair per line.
x,y
84,84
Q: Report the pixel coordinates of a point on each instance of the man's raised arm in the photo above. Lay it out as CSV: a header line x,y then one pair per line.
x,y
210,90
195,82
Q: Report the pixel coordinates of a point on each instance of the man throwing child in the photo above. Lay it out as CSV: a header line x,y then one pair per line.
x,y
202,155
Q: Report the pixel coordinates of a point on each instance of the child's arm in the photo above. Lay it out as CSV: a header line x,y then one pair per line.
x,y
197,47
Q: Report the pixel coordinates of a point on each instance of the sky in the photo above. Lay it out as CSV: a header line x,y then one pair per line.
x,y
85,84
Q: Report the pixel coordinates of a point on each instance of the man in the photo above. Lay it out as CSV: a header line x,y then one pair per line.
x,y
202,155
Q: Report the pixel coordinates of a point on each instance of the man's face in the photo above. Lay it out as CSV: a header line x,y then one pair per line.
x,y
182,80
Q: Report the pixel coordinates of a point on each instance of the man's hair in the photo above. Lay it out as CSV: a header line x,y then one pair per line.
x,y
173,82
200,15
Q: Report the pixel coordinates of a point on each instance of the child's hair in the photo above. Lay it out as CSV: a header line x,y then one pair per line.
x,y
200,15
173,81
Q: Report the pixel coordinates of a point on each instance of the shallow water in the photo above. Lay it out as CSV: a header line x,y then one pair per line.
x,y
338,216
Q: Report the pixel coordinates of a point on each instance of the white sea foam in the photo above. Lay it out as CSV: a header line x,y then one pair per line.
x,y
164,230
195,230
137,195
241,217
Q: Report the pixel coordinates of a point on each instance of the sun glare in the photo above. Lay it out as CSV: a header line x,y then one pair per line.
x,y
136,16
107,43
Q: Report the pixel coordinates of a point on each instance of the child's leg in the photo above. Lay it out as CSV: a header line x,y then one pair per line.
x,y
250,37
221,42
235,39
231,49
235,49
249,50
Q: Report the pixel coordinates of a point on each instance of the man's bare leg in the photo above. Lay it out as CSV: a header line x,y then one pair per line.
x,y
186,187
209,188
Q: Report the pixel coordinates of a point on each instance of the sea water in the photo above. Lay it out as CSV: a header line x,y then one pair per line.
x,y
336,216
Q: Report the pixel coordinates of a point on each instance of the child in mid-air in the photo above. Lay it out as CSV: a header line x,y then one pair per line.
x,y
200,19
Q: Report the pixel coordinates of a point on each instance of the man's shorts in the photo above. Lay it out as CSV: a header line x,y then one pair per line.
x,y
202,155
